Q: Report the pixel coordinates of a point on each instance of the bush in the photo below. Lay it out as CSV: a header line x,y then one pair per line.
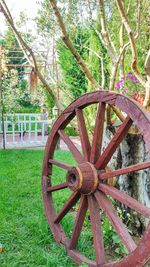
x,y
70,131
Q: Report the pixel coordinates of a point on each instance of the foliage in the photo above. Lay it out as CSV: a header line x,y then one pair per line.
x,y
73,76
70,131
128,85
82,20
16,96
97,51
45,19
13,56
83,28
112,239
16,92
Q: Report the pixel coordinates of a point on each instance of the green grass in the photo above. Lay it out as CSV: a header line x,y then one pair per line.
x,y
24,232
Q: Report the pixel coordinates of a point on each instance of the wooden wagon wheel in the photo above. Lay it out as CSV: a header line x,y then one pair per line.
x,y
85,181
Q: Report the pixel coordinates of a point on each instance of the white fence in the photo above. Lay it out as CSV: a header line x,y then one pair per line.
x,y
24,130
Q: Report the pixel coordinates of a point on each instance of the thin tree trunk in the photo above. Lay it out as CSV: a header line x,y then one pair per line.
x,y
147,71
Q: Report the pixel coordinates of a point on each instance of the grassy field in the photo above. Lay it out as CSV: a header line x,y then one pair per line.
x,y
24,233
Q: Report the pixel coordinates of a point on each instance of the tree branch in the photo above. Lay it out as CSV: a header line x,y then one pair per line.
x,y
115,67
105,34
138,19
66,39
7,10
132,42
147,71
121,41
26,48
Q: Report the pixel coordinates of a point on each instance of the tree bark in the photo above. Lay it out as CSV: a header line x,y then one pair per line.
x,y
137,184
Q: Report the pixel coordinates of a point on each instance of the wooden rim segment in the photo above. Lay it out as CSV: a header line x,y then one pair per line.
x,y
86,180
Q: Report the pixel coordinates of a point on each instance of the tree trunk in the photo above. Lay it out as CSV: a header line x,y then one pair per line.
x,y
137,184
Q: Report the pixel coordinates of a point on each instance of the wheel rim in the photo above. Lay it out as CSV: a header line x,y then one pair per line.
x,y
85,180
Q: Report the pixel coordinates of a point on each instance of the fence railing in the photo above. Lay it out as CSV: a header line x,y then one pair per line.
x,y
24,130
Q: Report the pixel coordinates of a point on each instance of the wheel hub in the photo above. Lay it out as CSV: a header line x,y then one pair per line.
x,y
83,178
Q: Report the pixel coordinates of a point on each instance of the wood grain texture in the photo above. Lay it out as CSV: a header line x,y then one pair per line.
x,y
114,143
96,230
69,204
75,152
98,133
132,168
78,222
86,147
125,199
61,164
57,187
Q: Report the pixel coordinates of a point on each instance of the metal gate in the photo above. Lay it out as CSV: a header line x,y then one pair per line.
x,y
24,130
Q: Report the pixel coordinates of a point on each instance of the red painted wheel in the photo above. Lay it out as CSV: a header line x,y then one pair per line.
x,y
85,181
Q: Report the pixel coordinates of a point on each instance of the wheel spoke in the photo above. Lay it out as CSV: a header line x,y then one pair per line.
x,y
79,222
69,204
125,199
98,133
136,167
86,148
75,152
57,187
114,143
115,221
96,230
61,164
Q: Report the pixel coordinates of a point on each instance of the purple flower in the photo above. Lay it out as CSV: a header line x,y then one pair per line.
x,y
137,81
118,84
133,78
89,218
128,75
122,79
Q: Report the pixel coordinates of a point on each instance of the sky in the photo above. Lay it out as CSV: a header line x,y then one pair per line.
x,y
15,7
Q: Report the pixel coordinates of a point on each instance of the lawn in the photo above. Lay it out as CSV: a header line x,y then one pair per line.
x,y
24,232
